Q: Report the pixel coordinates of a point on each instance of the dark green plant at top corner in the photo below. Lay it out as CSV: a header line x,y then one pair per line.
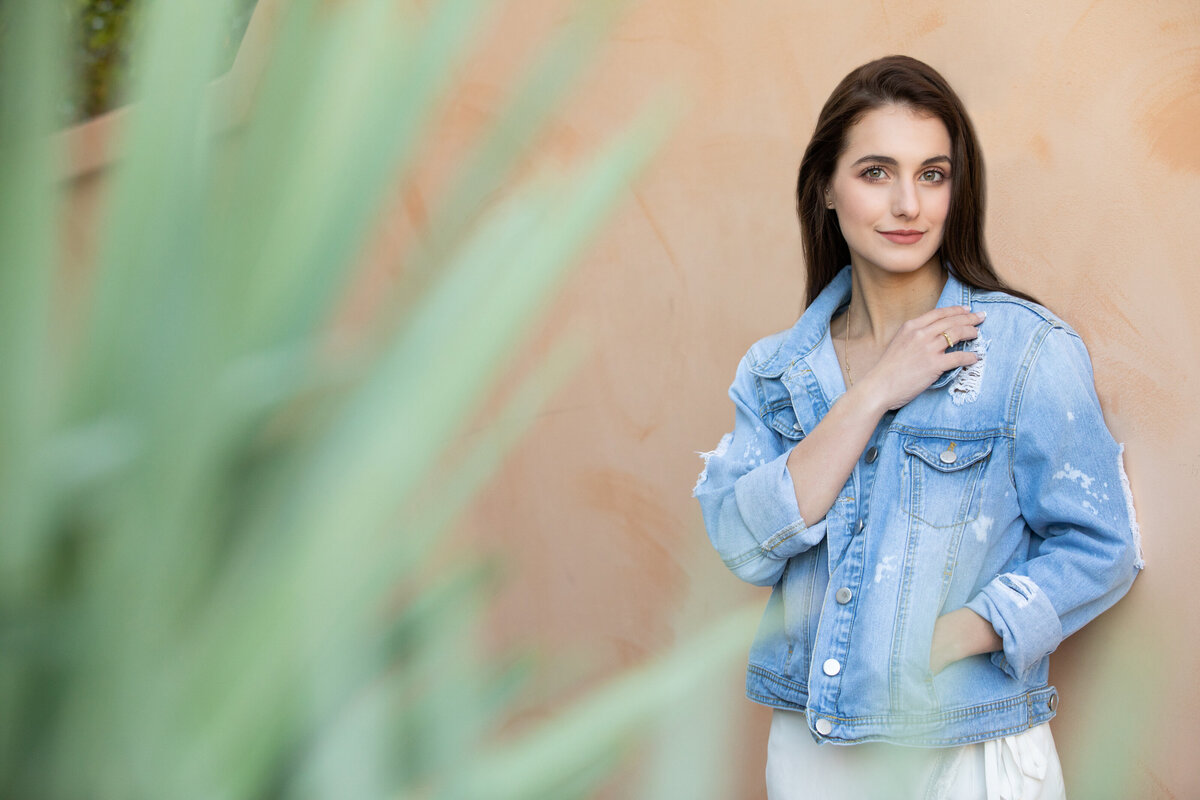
x,y
219,532
102,33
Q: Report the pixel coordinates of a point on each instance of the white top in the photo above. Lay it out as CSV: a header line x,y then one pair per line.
x,y
1024,766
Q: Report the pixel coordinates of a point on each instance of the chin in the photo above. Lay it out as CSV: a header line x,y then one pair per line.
x,y
905,266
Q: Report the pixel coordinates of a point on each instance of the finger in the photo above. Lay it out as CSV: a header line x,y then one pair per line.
x,y
960,333
945,338
957,327
970,318
958,358
959,319
939,314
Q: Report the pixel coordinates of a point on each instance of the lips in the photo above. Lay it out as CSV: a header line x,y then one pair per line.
x,y
902,236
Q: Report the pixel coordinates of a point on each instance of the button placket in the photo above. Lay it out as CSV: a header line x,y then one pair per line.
x,y
849,566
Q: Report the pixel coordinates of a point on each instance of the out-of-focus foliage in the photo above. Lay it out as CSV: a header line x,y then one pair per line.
x,y
103,34
103,29
220,531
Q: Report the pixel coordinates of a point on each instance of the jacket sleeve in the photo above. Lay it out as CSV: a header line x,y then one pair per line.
x,y
1084,549
747,496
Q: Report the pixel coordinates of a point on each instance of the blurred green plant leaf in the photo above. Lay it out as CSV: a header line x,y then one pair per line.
x,y
220,549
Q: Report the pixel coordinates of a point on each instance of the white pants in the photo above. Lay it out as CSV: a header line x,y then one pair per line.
x,y
1020,767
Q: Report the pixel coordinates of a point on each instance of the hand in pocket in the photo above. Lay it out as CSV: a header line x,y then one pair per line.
x,y
959,634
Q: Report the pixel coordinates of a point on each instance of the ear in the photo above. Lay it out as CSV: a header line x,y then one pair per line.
x,y
828,198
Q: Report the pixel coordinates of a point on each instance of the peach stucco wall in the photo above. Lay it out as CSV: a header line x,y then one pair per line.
x,y
1088,114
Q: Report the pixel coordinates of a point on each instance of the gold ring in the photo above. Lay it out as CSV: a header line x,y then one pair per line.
x,y
949,343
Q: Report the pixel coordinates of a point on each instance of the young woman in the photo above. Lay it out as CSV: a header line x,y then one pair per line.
x,y
920,469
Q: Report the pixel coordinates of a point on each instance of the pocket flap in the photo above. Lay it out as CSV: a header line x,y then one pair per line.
x,y
947,454
781,416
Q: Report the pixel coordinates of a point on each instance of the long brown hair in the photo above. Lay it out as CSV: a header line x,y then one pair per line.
x,y
899,80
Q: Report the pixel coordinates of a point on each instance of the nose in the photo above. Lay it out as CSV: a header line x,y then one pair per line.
x,y
904,200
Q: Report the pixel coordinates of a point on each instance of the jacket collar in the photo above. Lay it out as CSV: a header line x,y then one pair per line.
x,y
813,326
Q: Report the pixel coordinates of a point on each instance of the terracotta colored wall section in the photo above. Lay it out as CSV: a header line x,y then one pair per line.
x,y
1087,112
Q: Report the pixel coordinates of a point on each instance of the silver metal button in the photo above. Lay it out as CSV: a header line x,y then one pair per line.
x,y
872,454
1053,702
862,523
949,456
824,727
796,427
831,667
844,595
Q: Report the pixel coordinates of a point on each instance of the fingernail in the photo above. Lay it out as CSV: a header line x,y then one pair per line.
x,y
982,315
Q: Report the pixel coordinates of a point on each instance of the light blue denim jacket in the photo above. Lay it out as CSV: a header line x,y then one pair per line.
x,y
999,488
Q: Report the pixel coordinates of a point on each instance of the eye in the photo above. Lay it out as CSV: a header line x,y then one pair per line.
x,y
933,176
874,173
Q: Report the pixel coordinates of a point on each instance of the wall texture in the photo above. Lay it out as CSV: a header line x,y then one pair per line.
x,y
1087,112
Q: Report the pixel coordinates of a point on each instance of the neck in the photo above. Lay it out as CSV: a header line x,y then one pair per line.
x,y
880,302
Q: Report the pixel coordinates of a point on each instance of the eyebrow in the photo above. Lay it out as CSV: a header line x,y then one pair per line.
x,y
891,162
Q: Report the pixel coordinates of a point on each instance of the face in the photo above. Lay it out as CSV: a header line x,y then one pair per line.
x,y
891,190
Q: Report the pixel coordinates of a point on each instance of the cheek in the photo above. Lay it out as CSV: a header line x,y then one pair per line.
x,y
856,205
939,208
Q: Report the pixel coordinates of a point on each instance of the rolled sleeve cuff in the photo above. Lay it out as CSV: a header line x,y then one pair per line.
x,y
1024,618
766,499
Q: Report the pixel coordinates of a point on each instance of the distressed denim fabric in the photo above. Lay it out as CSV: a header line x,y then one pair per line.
x,y
999,488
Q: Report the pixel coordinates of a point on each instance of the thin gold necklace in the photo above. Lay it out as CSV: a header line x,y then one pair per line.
x,y
846,348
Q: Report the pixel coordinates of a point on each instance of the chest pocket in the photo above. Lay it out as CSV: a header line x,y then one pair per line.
x,y
943,477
